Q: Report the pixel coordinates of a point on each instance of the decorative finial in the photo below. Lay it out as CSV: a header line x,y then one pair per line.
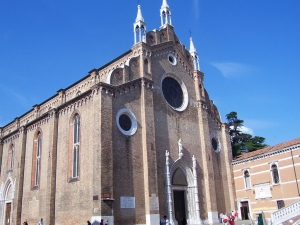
x,y
167,157
190,33
180,154
194,162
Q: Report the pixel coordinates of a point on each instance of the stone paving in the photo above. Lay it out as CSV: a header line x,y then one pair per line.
x,y
239,222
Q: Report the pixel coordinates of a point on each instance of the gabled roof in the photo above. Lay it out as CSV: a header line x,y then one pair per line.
x,y
268,150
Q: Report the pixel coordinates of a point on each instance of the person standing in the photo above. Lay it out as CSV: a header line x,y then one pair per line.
x,y
231,219
163,221
106,222
41,222
101,223
221,217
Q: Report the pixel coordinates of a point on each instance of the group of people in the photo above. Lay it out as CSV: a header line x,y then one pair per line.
x,y
101,223
228,218
40,222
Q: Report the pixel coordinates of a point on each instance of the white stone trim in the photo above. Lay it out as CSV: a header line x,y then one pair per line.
x,y
192,201
132,117
174,63
213,218
152,219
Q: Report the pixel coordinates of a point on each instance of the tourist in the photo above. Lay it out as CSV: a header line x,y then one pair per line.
x,y
163,221
221,217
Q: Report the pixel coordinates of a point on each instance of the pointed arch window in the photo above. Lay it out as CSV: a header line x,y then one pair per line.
x,y
247,179
10,159
76,147
36,159
275,174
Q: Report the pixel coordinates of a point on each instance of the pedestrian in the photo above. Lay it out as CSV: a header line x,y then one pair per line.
x,y
41,222
236,215
89,223
163,221
221,217
106,222
225,219
25,223
101,223
231,219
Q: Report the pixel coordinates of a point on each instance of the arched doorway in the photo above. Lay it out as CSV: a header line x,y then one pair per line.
x,y
179,187
6,202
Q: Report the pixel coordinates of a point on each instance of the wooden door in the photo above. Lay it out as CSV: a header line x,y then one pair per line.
x,y
7,214
179,207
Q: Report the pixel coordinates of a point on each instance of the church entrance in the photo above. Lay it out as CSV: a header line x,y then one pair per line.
x,y
179,207
179,184
7,214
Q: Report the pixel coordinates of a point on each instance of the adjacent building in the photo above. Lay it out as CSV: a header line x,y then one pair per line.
x,y
135,139
267,180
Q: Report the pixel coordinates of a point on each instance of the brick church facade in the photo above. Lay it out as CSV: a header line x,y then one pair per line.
x,y
132,141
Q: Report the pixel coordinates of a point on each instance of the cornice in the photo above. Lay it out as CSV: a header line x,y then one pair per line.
x,y
266,155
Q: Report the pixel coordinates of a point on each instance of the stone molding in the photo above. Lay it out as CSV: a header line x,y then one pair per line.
x,y
267,155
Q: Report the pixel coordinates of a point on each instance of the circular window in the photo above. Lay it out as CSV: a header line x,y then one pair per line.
x,y
174,92
172,59
215,143
126,122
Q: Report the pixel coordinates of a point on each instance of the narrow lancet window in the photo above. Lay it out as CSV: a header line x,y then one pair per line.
x,y
76,147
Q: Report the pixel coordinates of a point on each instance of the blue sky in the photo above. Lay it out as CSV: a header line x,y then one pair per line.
x,y
249,52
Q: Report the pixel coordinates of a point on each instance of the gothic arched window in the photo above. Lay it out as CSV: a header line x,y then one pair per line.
x,y
36,159
76,147
10,158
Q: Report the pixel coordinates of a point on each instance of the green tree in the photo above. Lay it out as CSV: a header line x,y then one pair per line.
x,y
241,141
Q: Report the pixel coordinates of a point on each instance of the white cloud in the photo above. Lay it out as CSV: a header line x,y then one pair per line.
x,y
246,130
196,8
232,69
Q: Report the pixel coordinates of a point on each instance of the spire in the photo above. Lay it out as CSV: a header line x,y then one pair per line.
x,y
194,54
165,13
139,27
165,4
139,16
